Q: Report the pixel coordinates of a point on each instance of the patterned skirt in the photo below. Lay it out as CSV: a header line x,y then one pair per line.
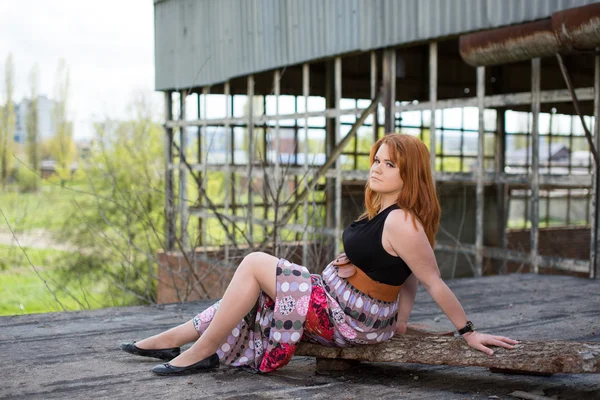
x,y
323,309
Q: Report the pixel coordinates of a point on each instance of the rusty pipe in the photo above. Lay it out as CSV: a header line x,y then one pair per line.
x,y
565,31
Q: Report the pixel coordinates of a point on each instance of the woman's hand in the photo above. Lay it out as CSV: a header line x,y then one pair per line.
x,y
479,341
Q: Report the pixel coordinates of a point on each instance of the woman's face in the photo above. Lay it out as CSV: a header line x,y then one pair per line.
x,y
384,177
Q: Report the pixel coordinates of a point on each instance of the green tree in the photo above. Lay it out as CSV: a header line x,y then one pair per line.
x,y
63,147
7,130
120,224
33,141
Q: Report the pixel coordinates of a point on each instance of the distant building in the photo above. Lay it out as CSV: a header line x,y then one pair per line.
x,y
555,152
216,144
48,168
45,119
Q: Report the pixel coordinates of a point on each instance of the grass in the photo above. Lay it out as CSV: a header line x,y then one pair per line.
x,y
521,223
45,209
21,280
28,288
13,256
35,285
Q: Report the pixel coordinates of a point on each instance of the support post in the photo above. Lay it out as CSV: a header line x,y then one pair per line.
x,y
201,177
480,170
373,94
228,146
501,195
183,206
389,84
169,193
595,217
329,146
305,94
250,100
338,161
203,182
277,178
433,58
534,214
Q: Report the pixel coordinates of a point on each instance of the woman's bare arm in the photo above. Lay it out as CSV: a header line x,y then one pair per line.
x,y
406,301
413,247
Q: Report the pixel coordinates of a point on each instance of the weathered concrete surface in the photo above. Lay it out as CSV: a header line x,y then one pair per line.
x,y
76,356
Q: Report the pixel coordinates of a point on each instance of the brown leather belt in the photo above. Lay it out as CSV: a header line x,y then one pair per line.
x,y
361,281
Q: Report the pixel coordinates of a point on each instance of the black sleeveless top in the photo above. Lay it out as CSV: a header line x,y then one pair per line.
x,y
362,245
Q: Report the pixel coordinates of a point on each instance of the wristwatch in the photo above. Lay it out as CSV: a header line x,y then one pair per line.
x,y
468,328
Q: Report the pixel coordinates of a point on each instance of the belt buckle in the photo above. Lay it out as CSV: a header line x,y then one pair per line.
x,y
341,259
346,271
345,268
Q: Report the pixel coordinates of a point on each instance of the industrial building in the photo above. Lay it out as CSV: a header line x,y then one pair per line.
x,y
271,104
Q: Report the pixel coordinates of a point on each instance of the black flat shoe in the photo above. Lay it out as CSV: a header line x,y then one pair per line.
x,y
163,354
206,365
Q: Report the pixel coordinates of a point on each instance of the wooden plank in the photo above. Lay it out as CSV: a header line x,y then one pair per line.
x,y
547,357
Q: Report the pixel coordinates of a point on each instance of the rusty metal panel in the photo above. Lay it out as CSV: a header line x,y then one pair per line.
x,y
204,42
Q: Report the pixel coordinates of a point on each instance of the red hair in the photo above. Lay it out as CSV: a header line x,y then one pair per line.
x,y
418,196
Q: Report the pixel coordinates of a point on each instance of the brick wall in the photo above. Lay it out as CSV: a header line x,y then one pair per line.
x,y
177,282
563,242
209,277
557,242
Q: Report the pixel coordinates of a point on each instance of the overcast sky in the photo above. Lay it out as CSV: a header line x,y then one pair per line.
x,y
108,46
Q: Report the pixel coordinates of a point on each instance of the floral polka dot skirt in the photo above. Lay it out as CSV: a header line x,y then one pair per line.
x,y
354,317
325,310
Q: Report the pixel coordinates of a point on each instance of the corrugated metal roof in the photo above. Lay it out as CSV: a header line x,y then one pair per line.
x,y
204,42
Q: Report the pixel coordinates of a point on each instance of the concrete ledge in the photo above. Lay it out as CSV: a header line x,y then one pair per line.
x,y
75,355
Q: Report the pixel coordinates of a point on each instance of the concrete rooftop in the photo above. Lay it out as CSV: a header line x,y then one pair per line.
x,y
75,355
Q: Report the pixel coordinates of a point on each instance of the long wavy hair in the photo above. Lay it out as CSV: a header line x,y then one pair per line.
x,y
418,196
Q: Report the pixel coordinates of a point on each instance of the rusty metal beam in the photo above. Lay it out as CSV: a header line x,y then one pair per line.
x,y
571,89
567,30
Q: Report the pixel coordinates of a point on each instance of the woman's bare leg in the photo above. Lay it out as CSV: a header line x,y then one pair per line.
x,y
174,337
255,273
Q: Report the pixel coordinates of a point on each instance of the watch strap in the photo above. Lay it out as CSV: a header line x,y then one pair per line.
x,y
469,327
